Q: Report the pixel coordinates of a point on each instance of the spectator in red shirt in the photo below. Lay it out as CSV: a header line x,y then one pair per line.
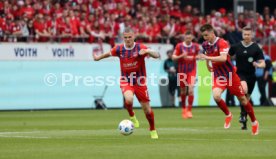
x,y
51,24
28,10
218,24
108,34
82,26
66,31
15,31
57,10
7,7
74,22
154,31
240,22
95,31
40,27
141,35
176,12
169,30
92,5
46,7
268,25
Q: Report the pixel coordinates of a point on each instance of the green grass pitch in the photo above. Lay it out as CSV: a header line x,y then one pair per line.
x,y
93,134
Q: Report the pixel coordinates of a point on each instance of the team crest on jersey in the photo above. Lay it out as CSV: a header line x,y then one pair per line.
x,y
215,49
135,54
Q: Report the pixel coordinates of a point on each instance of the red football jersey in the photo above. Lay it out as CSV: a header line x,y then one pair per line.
x,y
131,62
187,65
215,49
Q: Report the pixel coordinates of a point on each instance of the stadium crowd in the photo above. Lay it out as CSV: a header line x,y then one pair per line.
x,y
162,21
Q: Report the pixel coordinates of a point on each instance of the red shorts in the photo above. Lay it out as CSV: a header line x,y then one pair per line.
x,y
233,84
186,79
141,92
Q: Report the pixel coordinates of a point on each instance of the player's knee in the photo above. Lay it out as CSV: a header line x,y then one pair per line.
x,y
146,107
243,100
129,100
217,97
191,92
183,91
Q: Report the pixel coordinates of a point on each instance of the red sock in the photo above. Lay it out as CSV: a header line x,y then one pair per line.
x,y
222,105
129,108
150,117
249,109
183,101
190,102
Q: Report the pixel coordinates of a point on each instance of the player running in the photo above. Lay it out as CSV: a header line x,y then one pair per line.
x,y
185,53
133,76
248,56
224,76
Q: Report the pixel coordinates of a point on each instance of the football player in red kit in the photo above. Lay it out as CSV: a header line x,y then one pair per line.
x,y
133,76
224,75
185,53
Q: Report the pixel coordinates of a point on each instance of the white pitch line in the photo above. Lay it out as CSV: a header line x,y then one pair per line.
x,y
19,132
30,137
254,140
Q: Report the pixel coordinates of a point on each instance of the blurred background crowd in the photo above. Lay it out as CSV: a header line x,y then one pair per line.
x,y
154,21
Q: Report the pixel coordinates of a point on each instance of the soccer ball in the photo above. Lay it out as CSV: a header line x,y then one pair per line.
x,y
126,127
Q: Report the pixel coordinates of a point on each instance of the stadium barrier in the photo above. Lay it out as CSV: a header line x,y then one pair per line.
x,y
64,76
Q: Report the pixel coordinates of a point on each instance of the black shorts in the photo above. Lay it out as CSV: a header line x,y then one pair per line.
x,y
250,80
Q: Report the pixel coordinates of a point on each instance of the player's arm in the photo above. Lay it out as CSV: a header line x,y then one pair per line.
x,y
150,52
209,67
102,56
221,58
259,63
259,60
190,57
176,57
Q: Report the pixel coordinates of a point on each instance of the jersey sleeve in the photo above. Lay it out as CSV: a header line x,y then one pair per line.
x,y
223,47
197,49
259,54
115,51
177,51
142,46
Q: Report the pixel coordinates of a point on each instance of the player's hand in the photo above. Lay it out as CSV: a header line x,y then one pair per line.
x,y
202,57
197,57
95,57
143,51
255,64
184,55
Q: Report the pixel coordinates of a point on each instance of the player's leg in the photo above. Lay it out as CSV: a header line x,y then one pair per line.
x,y
128,99
141,93
222,105
182,82
243,114
183,92
190,100
191,83
128,96
248,85
237,90
150,117
249,109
